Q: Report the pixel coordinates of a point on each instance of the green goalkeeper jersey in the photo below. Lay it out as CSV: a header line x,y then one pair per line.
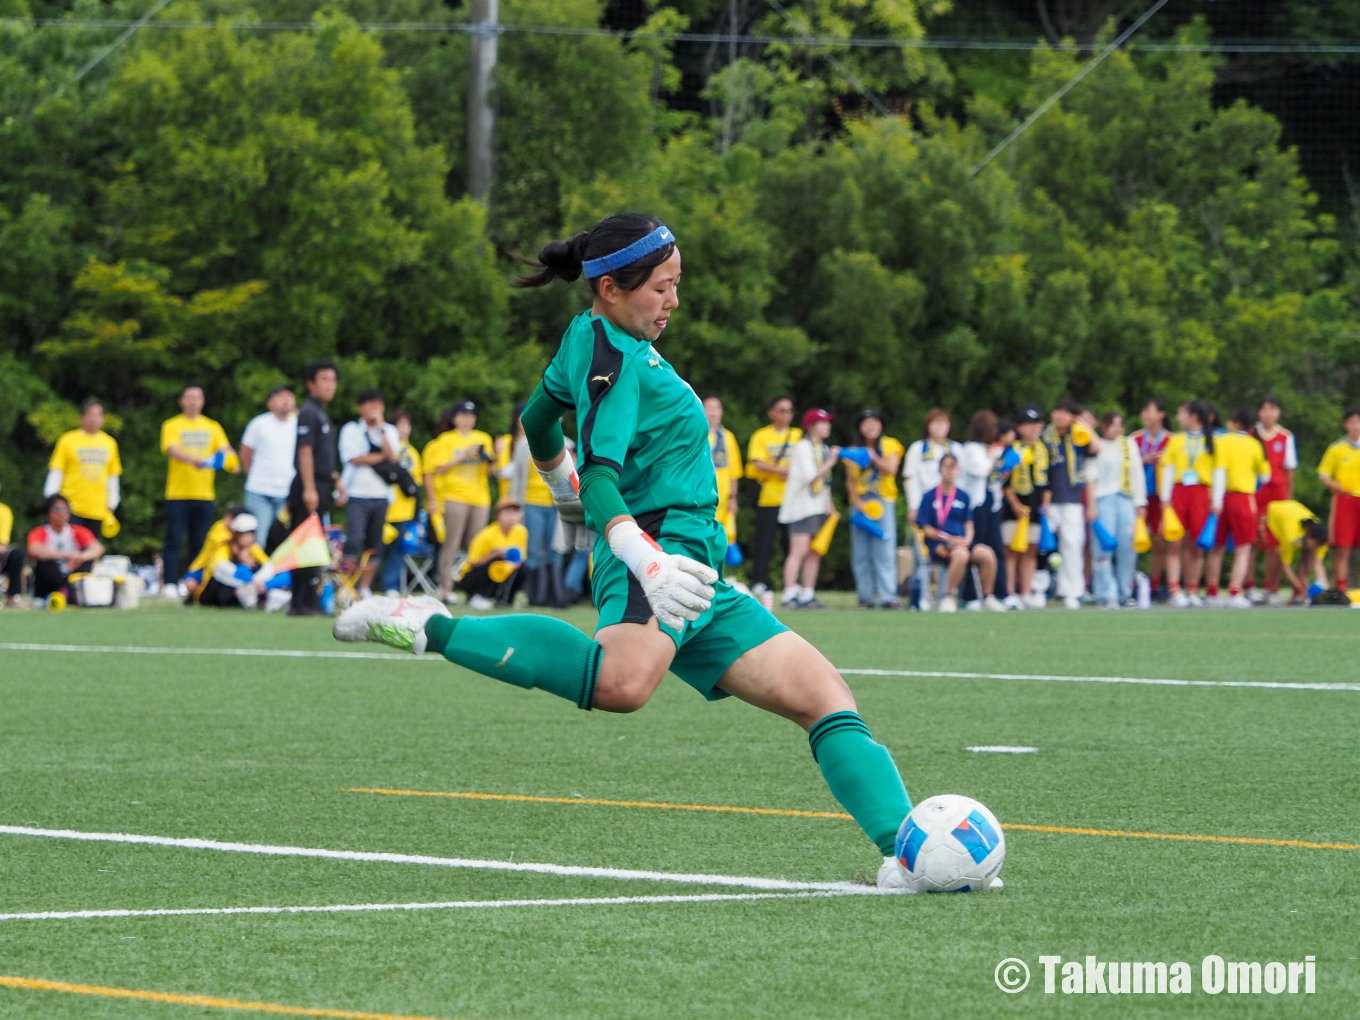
x,y
634,414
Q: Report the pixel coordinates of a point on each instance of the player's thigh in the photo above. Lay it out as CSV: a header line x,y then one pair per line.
x,y
788,676
636,657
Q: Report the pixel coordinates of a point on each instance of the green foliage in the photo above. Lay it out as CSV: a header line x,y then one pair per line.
x,y
223,205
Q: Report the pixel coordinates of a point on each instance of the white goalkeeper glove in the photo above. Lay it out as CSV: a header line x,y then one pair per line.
x,y
566,490
677,587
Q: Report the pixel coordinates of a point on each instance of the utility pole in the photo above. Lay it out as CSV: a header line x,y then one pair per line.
x,y
481,117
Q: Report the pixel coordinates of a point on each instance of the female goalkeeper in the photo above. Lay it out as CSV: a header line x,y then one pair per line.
x,y
646,485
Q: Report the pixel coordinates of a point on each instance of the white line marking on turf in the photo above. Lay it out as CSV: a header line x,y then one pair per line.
x,y
347,908
1001,749
744,882
1153,681
293,653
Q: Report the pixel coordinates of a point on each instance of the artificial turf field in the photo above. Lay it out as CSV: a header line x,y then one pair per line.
x,y
264,750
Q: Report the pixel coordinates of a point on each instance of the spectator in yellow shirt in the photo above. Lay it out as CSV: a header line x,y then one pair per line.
x,y
726,465
85,469
1242,459
402,510
11,559
458,467
1295,528
767,461
491,574
1340,472
191,441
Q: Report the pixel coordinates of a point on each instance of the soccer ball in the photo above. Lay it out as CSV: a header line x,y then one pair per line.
x,y
950,843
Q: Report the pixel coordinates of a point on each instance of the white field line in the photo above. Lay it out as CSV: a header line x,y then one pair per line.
x,y
350,908
293,653
780,884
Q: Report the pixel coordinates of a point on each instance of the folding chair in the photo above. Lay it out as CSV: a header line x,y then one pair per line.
x,y
417,566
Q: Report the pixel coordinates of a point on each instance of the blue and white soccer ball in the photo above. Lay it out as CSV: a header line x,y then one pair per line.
x,y
950,843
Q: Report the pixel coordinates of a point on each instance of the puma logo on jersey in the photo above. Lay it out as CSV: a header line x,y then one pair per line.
x,y
508,652
653,362
606,378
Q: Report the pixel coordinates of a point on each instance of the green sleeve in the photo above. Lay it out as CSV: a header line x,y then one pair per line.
x,y
542,421
600,495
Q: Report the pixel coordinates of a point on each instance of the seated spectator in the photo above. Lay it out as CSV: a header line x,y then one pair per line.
x,y
491,572
367,445
11,560
945,518
59,548
238,572
219,535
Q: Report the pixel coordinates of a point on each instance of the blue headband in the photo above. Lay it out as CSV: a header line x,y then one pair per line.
x,y
658,238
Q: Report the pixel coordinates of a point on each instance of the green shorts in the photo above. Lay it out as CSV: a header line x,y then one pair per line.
x,y
706,647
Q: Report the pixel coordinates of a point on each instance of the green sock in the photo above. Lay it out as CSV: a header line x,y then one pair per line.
x,y
862,776
525,650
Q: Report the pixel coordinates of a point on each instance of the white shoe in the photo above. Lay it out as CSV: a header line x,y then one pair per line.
x,y
452,599
1014,602
1273,599
1196,602
973,606
993,604
1256,596
170,591
1071,602
949,604
789,598
1239,602
399,623
392,593
182,590
892,878
480,603
1179,600
276,599
1036,601
925,604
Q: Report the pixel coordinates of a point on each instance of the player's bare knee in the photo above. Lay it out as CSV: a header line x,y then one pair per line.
x,y
623,687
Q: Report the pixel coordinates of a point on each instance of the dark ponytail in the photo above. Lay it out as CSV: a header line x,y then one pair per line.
x,y
561,260
1206,415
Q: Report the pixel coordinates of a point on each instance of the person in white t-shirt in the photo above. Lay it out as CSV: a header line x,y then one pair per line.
x,y
268,447
364,443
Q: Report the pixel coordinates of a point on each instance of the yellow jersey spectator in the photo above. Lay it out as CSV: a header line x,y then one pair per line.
x,y
491,573
458,465
402,509
85,469
726,465
767,461
1297,529
191,441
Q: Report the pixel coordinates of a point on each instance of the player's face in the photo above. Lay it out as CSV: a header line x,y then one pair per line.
x,y
870,429
92,420
282,403
323,386
781,414
1268,415
191,402
643,313
713,412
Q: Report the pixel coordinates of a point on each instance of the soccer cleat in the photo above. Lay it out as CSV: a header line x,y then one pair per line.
x,y
993,605
398,623
1179,600
891,877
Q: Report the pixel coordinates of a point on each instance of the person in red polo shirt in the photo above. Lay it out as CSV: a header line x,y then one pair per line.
x,y
59,548
1283,455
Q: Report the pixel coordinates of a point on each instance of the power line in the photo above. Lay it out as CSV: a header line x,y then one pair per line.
x,y
99,58
1067,87
1229,46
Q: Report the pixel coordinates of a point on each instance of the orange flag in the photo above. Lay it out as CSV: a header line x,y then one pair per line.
x,y
305,547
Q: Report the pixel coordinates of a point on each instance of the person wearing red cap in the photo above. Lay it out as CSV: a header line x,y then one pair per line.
x,y
806,506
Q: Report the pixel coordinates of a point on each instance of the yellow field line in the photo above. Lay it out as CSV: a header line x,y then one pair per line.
x,y
1069,830
208,1001
605,803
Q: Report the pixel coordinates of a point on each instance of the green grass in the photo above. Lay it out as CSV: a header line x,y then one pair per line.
x,y
259,750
